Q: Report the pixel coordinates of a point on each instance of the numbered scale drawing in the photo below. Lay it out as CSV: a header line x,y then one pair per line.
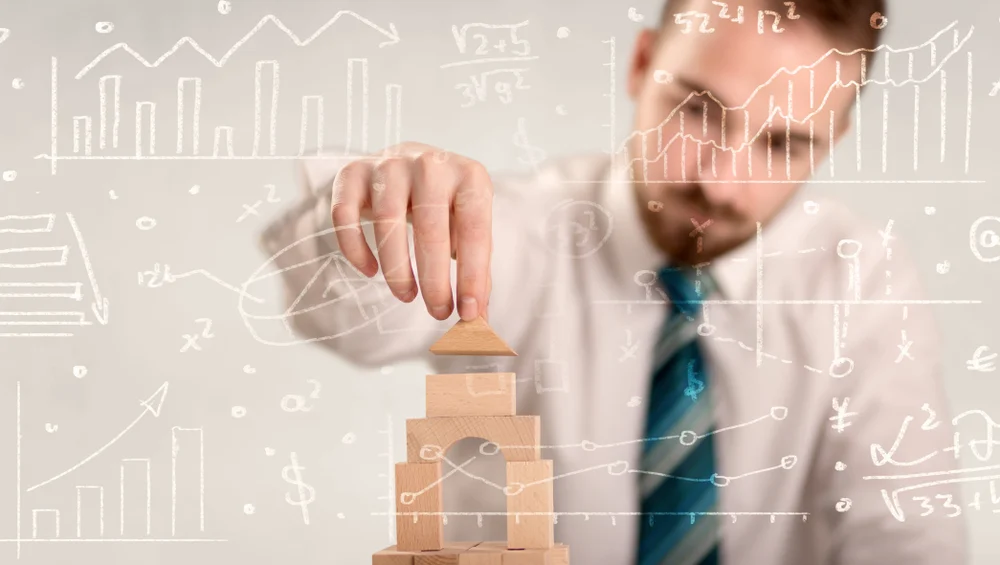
x,y
476,405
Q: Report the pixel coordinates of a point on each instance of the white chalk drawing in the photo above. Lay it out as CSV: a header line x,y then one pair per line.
x,y
43,261
134,478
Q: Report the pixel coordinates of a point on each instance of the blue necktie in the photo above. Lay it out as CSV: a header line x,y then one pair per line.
x,y
678,466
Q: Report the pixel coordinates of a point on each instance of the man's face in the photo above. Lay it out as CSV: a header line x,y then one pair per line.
x,y
707,162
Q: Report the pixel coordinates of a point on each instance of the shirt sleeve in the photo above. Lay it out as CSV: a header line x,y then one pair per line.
x,y
326,300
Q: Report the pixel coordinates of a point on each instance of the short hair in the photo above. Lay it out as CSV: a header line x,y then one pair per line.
x,y
852,21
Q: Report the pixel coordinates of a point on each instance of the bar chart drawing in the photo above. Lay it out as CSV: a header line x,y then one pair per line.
x,y
38,298
93,507
267,137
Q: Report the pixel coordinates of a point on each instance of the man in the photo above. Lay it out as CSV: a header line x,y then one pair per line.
x,y
672,307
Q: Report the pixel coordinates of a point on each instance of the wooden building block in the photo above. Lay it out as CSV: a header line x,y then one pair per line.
x,y
471,394
486,553
392,556
518,437
471,553
453,553
418,490
471,338
556,555
529,490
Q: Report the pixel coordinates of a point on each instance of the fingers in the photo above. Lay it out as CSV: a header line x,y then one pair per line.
x,y
390,196
473,219
350,195
432,191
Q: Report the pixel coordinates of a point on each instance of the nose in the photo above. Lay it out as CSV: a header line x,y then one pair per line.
x,y
721,176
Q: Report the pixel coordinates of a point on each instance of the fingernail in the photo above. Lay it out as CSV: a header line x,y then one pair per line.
x,y
409,295
439,312
468,309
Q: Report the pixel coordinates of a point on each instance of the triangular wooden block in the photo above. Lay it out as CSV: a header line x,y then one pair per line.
x,y
471,338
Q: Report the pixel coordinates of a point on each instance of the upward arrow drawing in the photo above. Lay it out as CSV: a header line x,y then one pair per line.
x,y
152,405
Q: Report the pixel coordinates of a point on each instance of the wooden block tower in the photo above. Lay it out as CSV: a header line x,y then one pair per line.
x,y
479,405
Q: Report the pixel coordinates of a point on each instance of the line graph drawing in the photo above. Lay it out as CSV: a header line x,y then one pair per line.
x,y
391,34
91,518
148,408
111,128
818,96
614,468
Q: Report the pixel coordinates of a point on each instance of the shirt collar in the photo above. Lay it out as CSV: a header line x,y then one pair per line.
x,y
634,251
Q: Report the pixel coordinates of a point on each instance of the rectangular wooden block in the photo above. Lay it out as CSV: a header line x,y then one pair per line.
x,y
453,553
557,555
392,556
471,394
470,553
519,437
529,488
485,553
418,491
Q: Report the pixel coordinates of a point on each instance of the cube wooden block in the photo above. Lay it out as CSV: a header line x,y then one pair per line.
x,y
529,490
418,491
519,437
471,338
471,394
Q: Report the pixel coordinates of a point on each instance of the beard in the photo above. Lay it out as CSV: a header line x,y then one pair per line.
x,y
687,227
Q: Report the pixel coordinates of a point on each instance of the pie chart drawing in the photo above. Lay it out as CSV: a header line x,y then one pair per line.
x,y
325,284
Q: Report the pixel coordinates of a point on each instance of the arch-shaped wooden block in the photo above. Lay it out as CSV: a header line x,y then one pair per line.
x,y
518,437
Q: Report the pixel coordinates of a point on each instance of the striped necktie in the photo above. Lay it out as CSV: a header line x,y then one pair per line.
x,y
678,468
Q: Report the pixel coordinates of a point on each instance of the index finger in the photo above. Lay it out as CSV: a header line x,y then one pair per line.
x,y
474,229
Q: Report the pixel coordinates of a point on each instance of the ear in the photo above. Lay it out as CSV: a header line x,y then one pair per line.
x,y
642,57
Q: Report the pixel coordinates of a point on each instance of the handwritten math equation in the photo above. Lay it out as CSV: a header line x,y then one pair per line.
x,y
981,447
693,20
491,43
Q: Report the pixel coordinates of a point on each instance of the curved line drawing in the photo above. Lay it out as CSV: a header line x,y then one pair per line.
x,y
152,405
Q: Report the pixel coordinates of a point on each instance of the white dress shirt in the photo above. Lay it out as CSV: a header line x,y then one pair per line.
x,y
570,296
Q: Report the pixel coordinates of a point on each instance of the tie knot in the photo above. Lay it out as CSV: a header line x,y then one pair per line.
x,y
685,287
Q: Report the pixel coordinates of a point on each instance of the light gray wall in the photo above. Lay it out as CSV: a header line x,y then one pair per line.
x,y
128,359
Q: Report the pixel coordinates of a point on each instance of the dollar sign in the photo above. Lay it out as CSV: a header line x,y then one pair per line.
x,y
293,476
695,385
535,155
